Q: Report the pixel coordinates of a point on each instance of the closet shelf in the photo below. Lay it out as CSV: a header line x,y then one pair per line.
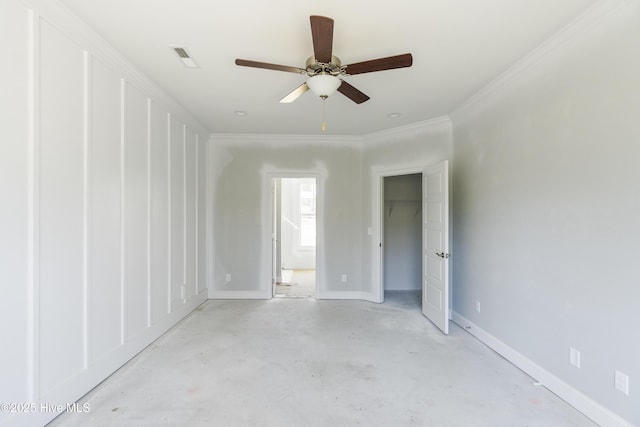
x,y
392,203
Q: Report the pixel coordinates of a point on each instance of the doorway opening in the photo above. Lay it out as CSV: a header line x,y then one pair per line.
x,y
294,228
402,236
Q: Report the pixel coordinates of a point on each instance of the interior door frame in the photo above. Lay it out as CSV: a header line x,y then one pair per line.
x,y
268,220
377,232
377,273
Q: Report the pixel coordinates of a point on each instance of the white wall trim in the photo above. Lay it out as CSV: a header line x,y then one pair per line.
x,y
148,141
285,140
566,392
197,208
252,295
169,216
267,221
357,141
238,295
579,26
209,246
33,246
378,175
347,295
413,129
123,207
371,297
87,213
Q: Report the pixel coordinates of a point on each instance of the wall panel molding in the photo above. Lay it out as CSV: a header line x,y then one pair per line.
x,y
33,293
86,208
58,14
73,126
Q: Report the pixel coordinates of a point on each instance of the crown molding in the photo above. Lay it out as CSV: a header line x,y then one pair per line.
x,y
581,25
408,131
389,135
285,139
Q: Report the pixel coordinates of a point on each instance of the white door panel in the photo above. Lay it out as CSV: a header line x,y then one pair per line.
x,y
435,224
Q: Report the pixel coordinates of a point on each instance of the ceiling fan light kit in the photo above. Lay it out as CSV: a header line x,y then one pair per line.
x,y
324,70
323,85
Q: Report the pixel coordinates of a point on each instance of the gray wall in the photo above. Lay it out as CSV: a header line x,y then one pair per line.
x,y
347,169
546,209
241,166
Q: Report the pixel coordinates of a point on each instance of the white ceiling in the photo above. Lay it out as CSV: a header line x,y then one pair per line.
x,y
457,46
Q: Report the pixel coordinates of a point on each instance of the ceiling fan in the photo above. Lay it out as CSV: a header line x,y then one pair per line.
x,y
324,70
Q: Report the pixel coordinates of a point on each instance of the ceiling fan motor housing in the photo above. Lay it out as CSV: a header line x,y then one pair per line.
x,y
334,68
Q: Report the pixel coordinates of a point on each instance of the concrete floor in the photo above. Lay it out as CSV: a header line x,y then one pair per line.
x,y
297,283
304,362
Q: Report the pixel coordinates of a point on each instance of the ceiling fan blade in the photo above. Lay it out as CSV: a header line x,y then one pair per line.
x,y
352,93
266,65
295,94
322,34
380,64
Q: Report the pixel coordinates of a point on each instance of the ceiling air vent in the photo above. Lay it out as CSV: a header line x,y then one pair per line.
x,y
184,56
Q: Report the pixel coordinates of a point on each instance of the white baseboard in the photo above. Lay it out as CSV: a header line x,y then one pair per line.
x,y
343,295
371,297
213,294
331,295
575,398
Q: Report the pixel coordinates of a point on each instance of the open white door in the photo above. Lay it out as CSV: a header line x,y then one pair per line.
x,y
274,235
435,245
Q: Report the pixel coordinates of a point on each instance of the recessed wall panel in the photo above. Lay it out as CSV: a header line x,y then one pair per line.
x,y
159,239
434,267
177,209
191,171
104,211
433,297
60,202
434,240
14,221
434,211
135,211
202,214
434,184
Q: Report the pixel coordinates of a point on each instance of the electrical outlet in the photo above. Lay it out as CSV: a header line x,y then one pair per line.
x,y
574,357
228,277
622,382
344,277
478,306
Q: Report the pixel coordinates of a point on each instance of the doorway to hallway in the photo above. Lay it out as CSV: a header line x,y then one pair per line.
x,y
294,227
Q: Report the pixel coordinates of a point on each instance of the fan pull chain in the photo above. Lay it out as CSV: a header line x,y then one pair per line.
x,y
324,113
